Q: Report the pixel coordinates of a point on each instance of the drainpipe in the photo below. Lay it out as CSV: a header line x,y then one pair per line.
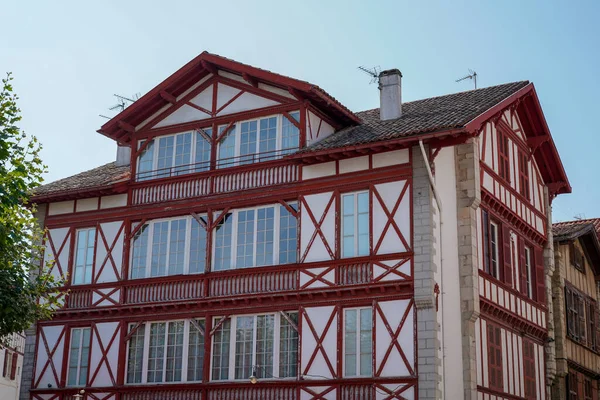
x,y
439,206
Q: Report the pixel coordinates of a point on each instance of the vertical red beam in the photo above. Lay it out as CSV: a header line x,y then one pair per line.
x,y
122,352
303,117
65,356
207,349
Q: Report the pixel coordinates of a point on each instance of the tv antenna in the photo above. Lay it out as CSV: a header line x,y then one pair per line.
x,y
122,103
372,72
472,75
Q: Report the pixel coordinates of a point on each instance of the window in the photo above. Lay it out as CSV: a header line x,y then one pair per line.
x,y
581,317
524,174
258,140
355,224
491,248
494,357
264,345
503,157
169,247
573,389
587,389
174,155
358,344
529,369
84,256
166,352
247,238
10,364
577,258
528,272
79,357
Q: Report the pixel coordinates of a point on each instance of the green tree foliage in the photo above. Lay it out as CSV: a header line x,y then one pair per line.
x,y
24,297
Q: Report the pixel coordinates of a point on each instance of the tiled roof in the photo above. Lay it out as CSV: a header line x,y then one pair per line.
x,y
422,116
572,229
99,177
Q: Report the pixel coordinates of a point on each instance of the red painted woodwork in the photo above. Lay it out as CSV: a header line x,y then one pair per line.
x,y
319,338
494,343
540,277
507,274
394,333
50,361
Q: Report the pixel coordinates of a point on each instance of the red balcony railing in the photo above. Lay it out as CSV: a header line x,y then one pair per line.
x,y
230,283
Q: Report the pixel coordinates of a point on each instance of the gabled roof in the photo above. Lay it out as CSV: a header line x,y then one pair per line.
x,y
120,126
102,180
587,231
451,111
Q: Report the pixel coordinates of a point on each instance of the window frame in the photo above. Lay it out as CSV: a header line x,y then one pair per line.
x,y
235,231
529,369
187,247
189,168
85,255
524,188
503,152
238,159
277,321
494,343
79,357
529,271
356,218
184,354
357,343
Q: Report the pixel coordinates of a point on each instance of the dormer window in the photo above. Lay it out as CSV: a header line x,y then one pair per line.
x,y
174,155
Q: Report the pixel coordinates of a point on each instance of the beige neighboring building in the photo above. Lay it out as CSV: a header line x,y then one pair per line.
x,y
575,302
11,364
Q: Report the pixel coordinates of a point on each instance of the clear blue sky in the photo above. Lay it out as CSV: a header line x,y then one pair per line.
x,y
69,57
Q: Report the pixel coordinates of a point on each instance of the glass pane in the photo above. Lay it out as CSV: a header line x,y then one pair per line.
x,y
245,239
220,361
350,342
248,132
202,158
183,153
197,248
135,355
177,246
290,134
366,342
288,231
145,162
159,249
268,138
156,352
348,229
244,337
223,244
264,236
265,332
195,353
288,347
174,351
363,224
226,148
165,156
140,251
84,256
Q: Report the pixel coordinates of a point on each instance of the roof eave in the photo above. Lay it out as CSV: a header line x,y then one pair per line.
x,y
73,194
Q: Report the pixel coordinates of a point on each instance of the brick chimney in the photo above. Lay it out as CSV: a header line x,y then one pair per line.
x,y
390,94
123,155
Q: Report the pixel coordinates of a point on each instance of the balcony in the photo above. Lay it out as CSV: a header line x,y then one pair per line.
x,y
240,283
200,179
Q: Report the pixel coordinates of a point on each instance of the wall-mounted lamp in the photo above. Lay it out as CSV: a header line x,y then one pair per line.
x,y
79,395
253,378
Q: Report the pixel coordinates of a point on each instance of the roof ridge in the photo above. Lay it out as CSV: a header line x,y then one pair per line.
x,y
451,94
577,221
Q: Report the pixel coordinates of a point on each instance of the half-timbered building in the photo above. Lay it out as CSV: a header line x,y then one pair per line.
x,y
11,360
257,239
575,303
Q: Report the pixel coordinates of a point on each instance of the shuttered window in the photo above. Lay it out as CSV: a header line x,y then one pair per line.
x,y
529,369
524,174
491,238
582,318
494,338
503,157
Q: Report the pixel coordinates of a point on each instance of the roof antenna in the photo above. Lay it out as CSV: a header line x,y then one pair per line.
x,y
472,75
579,217
122,103
372,72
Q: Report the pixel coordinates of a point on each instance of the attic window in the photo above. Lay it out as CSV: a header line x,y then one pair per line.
x,y
577,259
503,157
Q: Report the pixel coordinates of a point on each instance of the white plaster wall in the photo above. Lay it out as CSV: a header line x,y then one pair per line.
x,y
354,164
117,200
58,235
105,333
9,389
245,102
318,170
110,230
52,333
388,158
317,129
390,193
318,317
394,311
204,98
445,180
317,204
61,207
86,204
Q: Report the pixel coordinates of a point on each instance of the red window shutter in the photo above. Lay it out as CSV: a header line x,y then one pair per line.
x,y
506,256
4,370
522,267
13,369
540,278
